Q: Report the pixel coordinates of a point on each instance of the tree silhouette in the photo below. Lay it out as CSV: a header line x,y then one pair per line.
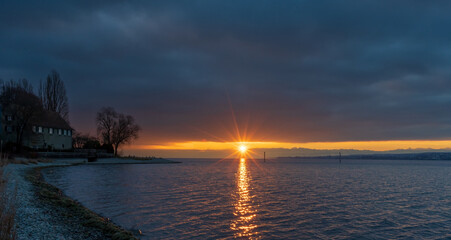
x,y
53,95
19,102
116,128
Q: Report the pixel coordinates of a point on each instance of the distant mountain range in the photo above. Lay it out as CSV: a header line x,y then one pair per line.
x,y
386,156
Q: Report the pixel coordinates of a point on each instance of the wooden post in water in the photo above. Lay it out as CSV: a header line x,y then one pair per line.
x,y
264,156
339,157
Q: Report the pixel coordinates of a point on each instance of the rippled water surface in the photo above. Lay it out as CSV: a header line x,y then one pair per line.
x,y
278,199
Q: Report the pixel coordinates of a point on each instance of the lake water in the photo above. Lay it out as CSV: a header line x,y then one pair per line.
x,y
287,199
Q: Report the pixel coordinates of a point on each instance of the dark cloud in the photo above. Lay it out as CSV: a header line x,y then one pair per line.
x,y
293,70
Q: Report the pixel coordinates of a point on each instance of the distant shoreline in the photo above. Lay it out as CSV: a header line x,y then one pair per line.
x,y
396,156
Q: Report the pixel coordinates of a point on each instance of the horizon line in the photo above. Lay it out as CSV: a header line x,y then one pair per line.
x,y
382,145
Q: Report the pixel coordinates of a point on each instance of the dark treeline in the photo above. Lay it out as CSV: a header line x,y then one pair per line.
x,y
113,129
22,104
18,99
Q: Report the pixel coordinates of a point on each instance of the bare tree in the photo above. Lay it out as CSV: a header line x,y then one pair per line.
x,y
19,101
125,131
116,128
105,119
53,95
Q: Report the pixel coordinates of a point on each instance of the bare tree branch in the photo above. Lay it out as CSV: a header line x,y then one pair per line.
x,y
105,120
53,95
115,128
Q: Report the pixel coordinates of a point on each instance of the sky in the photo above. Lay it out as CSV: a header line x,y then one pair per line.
x,y
363,75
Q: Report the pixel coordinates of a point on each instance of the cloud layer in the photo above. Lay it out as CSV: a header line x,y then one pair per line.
x,y
294,71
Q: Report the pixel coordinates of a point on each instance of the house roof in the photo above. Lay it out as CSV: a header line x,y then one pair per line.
x,y
50,119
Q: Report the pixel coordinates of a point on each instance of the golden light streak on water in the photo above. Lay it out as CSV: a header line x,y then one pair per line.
x,y
244,223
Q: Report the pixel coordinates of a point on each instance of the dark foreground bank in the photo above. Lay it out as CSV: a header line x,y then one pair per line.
x,y
44,212
80,222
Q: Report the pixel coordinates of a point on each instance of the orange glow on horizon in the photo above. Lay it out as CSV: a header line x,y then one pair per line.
x,y
239,143
357,145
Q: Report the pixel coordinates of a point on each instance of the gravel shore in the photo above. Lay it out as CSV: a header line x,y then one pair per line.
x,y
38,219
35,220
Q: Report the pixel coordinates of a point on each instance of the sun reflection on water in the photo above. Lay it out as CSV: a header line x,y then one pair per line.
x,y
245,213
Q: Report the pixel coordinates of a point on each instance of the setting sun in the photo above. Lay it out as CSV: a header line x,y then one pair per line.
x,y
242,149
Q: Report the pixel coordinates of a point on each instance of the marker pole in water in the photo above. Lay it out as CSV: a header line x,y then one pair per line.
x,y
264,156
339,157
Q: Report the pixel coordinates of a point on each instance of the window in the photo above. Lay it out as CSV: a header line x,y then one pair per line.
x,y
39,129
65,132
69,132
59,131
51,130
9,129
33,129
9,118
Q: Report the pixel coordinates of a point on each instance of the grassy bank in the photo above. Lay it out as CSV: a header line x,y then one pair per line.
x,y
7,207
72,211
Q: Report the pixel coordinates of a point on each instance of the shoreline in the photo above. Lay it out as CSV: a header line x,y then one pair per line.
x,y
44,212
101,161
72,211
